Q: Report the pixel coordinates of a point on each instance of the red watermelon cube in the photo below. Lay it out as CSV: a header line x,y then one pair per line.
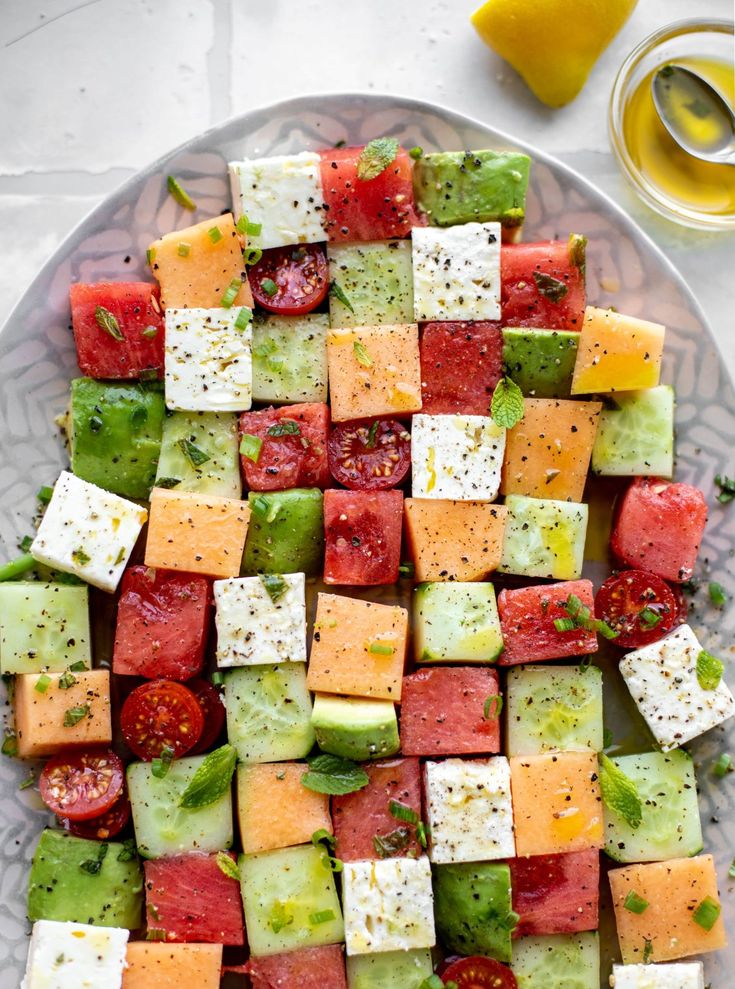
x,y
118,328
527,616
307,968
541,285
189,898
293,453
361,817
443,712
461,363
556,894
363,537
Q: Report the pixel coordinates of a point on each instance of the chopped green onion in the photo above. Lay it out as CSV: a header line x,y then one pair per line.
x,y
244,226
193,453
727,489
180,195
635,903
78,667
723,765
73,715
321,917
251,255
43,683
407,569
20,565
217,678
44,494
564,624
707,913
150,256
433,982
361,354
269,286
161,765
231,293
250,447
184,249
416,153
381,649
709,670
67,680
323,837
10,744
717,594
25,544
492,707
150,332
402,812
648,618
647,951
107,322
244,318
214,234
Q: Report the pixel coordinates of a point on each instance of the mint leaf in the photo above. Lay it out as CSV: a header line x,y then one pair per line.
x,y
338,292
274,584
193,454
375,157
551,287
507,404
578,251
211,780
709,670
107,322
620,793
228,866
286,427
387,845
334,775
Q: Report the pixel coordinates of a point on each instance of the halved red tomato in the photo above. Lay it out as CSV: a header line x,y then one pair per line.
x,y
214,714
477,972
105,826
82,785
637,605
290,280
161,715
369,456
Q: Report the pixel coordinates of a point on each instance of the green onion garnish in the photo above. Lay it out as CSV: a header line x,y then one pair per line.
x,y
244,226
250,447
20,565
707,913
217,678
269,286
723,765
214,234
321,917
381,649
251,255
78,667
43,683
416,153
73,715
180,195
44,494
244,318
67,680
635,903
564,624
407,569
648,618
492,707
402,812
10,744
717,594
184,249
231,293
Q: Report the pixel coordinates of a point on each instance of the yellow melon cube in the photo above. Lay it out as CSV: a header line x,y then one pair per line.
x,y
263,791
359,648
374,370
667,929
196,266
617,353
454,540
196,533
547,454
557,806
160,965
49,718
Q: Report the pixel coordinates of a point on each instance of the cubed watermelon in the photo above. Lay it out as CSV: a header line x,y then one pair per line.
x,y
443,712
542,285
461,363
556,894
363,536
306,968
527,616
286,447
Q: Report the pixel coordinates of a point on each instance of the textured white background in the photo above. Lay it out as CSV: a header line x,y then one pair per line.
x,y
90,91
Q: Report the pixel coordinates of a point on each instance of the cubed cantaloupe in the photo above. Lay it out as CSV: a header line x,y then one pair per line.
x,y
617,353
264,792
196,533
557,806
159,965
359,648
374,370
547,454
666,928
196,266
454,540
50,718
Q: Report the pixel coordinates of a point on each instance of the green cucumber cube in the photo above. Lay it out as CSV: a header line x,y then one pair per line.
x,y
554,708
354,727
188,437
286,532
472,186
551,960
115,434
73,879
377,280
389,969
544,538
636,435
472,906
456,622
670,827
541,362
269,712
290,358
162,827
290,900
43,627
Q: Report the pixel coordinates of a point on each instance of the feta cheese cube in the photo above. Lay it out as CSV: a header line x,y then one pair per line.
x,y
680,975
257,626
456,272
283,194
209,366
469,809
662,679
88,532
75,956
388,905
457,457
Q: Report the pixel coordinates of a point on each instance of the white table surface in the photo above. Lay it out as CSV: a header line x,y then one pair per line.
x,y
92,91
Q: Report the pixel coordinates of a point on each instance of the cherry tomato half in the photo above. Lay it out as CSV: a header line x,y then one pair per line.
x,y
639,606
105,826
161,714
213,710
477,972
369,456
290,280
82,785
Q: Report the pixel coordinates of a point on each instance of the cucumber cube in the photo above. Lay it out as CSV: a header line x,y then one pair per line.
x,y
636,435
544,538
569,960
269,712
456,623
355,727
472,905
290,358
389,969
541,362
162,827
286,532
377,280
290,900
189,437
43,627
670,827
554,708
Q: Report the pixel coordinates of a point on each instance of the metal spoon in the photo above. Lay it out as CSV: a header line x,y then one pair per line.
x,y
698,118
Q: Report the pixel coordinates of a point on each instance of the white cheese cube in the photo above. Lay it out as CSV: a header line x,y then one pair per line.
x,y
75,956
662,679
457,457
469,810
209,364
88,532
284,195
456,272
388,905
257,626
680,975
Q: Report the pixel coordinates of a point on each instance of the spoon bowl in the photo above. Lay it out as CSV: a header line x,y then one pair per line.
x,y
695,114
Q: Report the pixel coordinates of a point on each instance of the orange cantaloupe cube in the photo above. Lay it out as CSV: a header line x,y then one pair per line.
x,y
617,353
666,929
275,809
40,714
196,533
374,370
547,454
557,805
196,265
454,540
359,648
161,965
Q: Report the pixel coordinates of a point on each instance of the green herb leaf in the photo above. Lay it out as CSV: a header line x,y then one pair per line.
x,y
506,407
212,779
155,934
321,917
230,293
402,812
269,287
43,683
274,584
727,489
393,843
73,715
709,670
244,318
706,913
214,234
372,435
607,738
578,251
717,594
252,255
14,568
550,287
168,482
162,763
93,866
193,454
334,775
67,680
322,837
648,618
564,624
381,649
619,792
28,781
416,153
361,355
647,950
177,191
581,616
407,569
128,852
244,226
25,544
80,557
635,903
731,870
107,322
337,291
228,866
434,982
286,427
492,707
723,765
150,332
279,917
44,494
10,744
183,250
375,157
250,447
